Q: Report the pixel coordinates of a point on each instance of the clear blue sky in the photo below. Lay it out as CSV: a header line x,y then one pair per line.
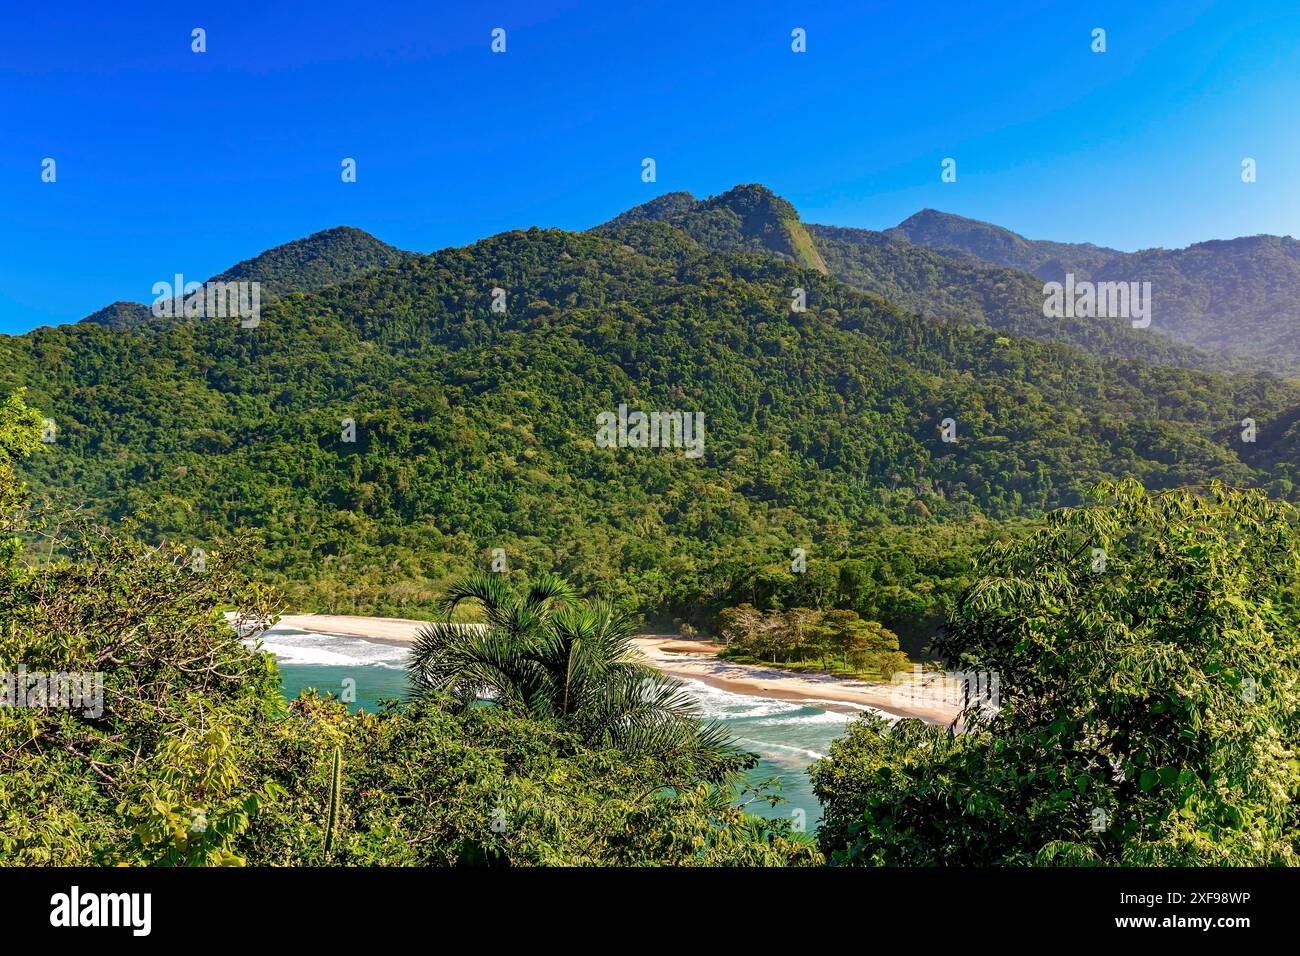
x,y
171,161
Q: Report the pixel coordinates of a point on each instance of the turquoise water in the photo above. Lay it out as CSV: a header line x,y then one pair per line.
x,y
372,683
787,736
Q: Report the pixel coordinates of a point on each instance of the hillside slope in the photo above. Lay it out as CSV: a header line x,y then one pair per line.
x,y
963,289
477,429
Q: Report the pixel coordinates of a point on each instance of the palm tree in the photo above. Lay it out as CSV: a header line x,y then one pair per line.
x,y
544,653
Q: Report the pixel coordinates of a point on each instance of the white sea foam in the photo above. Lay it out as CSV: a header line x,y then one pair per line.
x,y
828,717
780,753
718,704
293,646
785,733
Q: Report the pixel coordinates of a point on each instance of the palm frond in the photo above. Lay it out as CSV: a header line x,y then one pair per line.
x,y
490,590
548,655
551,589
643,711
470,663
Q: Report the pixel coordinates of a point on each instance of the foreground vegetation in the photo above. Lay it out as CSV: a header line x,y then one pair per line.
x,y
1146,647
1148,656
196,759
1144,643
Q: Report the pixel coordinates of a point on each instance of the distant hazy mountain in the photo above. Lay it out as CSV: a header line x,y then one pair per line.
x,y
964,289
1235,297
304,265
957,287
954,234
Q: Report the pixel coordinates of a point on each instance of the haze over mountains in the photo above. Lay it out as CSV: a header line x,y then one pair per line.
x,y
1225,304
476,428
1236,297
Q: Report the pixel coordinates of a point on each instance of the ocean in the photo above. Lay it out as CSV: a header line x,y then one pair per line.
x,y
787,736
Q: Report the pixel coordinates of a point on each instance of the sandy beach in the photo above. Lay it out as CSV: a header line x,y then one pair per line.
x,y
390,630
698,660
688,659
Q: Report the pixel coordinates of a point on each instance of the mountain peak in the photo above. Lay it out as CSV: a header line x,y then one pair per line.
x,y
745,218
937,229
121,315
949,233
754,202
928,216
324,258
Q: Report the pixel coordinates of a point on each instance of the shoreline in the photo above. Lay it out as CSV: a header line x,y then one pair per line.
x,y
695,660
698,660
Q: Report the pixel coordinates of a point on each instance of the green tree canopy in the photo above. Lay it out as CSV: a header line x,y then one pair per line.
x,y
1146,651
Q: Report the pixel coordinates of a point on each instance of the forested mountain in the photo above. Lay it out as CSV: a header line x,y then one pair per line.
x,y
959,288
476,429
1237,297
989,243
121,315
744,219
966,290
304,265
1234,297
323,258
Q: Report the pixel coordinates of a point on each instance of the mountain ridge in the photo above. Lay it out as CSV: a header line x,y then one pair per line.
x,y
915,264
1238,298
300,265
948,284
948,232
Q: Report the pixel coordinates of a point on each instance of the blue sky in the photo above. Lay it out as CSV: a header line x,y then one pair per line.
x,y
171,161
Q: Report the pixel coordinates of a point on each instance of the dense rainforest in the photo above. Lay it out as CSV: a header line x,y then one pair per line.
x,y
945,282
824,429
927,471
188,755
